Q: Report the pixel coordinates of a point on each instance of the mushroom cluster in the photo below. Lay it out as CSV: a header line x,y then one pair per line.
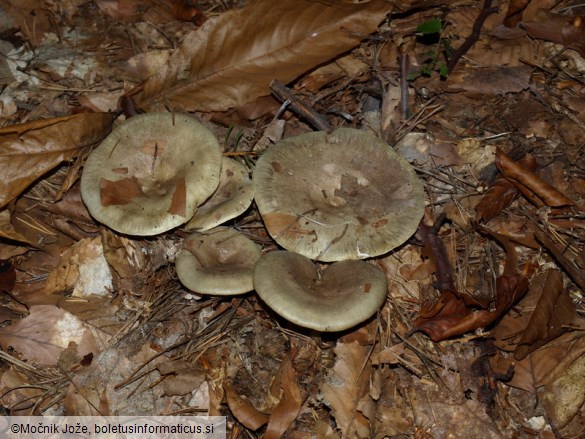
x,y
337,196
157,171
331,197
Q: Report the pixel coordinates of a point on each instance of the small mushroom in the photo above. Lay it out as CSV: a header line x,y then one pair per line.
x,y
219,262
231,198
150,174
337,196
340,297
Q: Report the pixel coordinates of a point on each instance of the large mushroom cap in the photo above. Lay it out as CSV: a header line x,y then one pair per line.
x,y
231,198
150,174
345,294
343,195
220,261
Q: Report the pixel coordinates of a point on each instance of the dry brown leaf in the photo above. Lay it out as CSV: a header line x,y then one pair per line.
x,y
231,60
17,393
181,377
83,269
346,386
97,390
532,187
544,365
553,310
29,150
490,81
558,28
243,409
563,398
287,410
514,12
45,333
500,194
7,229
455,314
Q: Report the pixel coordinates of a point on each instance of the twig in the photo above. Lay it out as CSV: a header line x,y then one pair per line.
x,y
299,107
473,37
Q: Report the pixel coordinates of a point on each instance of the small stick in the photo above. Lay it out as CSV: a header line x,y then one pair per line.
x,y
473,37
300,107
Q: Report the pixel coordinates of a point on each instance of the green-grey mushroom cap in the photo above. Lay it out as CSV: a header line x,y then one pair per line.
x,y
150,174
342,296
337,196
231,198
219,261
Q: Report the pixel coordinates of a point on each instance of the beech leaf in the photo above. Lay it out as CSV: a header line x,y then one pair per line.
x,y
29,150
46,332
553,310
346,386
232,58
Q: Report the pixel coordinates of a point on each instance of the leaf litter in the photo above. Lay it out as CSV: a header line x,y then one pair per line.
x,y
482,329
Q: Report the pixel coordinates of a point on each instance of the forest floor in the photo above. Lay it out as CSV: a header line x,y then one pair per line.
x,y
482,331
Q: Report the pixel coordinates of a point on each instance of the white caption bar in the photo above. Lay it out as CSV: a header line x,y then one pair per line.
x,y
129,427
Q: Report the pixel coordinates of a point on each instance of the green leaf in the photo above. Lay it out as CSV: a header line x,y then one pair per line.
x,y
428,27
443,71
412,76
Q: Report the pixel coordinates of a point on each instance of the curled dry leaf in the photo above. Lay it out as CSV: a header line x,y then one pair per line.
x,y
231,60
514,12
532,187
553,310
29,150
243,409
500,194
454,314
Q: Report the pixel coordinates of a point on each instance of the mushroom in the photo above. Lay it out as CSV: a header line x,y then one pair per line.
x,y
150,174
337,196
340,297
231,198
219,262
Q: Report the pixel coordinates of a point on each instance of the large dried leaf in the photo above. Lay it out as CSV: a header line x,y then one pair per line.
x,y
553,310
346,386
232,59
45,333
29,150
